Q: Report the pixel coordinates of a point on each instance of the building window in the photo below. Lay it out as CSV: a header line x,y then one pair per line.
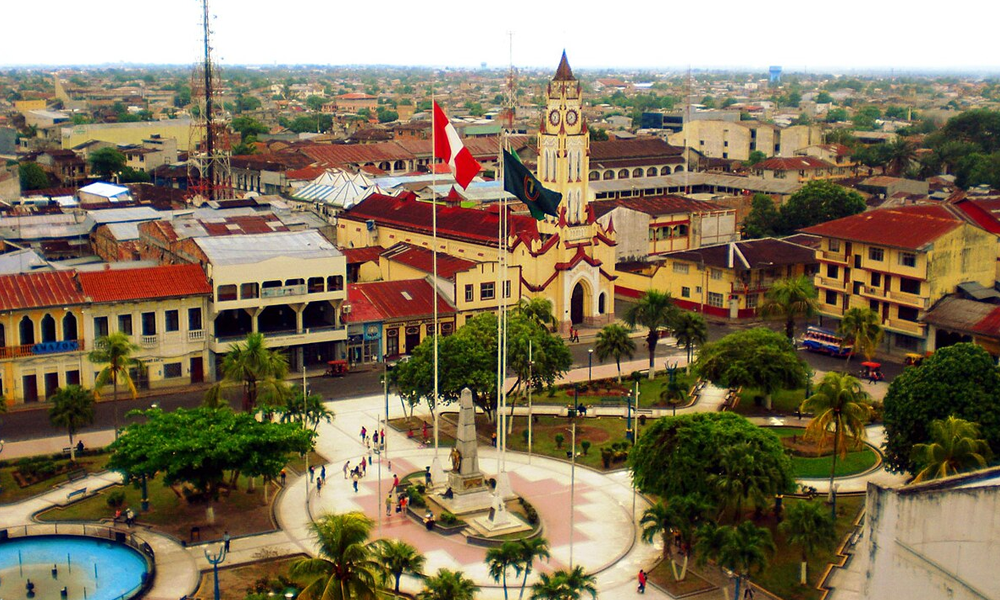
x,y
876,254
315,285
26,329
249,290
831,297
506,289
715,273
470,294
335,283
125,324
715,299
100,327
909,286
487,291
447,329
172,319
149,323
906,342
226,292
832,271
172,370
681,268
876,280
907,259
752,301
194,319
907,313
69,327
685,292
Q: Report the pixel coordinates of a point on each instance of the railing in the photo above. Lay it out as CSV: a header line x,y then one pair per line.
x,y
196,336
281,333
833,256
874,291
25,350
833,284
148,341
908,299
286,290
905,326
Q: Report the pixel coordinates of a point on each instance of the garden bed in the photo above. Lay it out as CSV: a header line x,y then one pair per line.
x,y
18,483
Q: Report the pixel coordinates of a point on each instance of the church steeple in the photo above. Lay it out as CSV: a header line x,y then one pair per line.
x,y
564,143
563,72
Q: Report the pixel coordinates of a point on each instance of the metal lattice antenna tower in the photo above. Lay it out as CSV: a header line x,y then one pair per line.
x,y
209,173
510,90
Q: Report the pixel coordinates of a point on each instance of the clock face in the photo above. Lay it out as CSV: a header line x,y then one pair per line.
x,y
571,117
372,330
554,117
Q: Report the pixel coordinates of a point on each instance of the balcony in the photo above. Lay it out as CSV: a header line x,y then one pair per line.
x,y
907,327
908,299
829,283
40,349
148,341
870,291
290,337
283,291
834,257
196,336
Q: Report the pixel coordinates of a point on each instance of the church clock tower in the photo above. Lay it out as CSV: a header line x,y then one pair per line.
x,y
564,144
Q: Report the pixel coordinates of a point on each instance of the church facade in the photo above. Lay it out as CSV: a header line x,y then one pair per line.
x,y
569,260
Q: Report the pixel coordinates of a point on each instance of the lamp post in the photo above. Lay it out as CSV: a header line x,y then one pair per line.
x,y
215,560
590,364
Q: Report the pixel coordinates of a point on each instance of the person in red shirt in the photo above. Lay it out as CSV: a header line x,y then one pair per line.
x,y
642,582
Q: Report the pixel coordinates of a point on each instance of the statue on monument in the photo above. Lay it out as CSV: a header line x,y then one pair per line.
x,y
456,460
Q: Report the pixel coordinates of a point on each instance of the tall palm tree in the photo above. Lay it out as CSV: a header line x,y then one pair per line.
x,y
500,560
690,330
790,299
448,585
347,567
654,310
257,369
808,526
398,557
538,309
658,520
613,341
861,328
72,408
688,513
115,351
900,154
674,393
839,404
955,448
529,550
746,552
564,585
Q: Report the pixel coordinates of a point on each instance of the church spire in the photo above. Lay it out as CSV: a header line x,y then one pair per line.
x,y
563,72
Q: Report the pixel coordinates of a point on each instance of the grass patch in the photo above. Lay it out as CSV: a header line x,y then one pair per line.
x,y
600,432
782,401
818,467
12,492
663,577
597,391
236,583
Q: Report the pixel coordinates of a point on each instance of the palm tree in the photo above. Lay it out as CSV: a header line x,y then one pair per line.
x,y
808,526
398,557
254,367
900,154
564,585
790,299
955,448
655,310
529,550
72,408
448,585
839,403
746,552
688,512
690,330
538,309
658,520
861,328
614,341
500,559
347,567
115,352
312,411
674,393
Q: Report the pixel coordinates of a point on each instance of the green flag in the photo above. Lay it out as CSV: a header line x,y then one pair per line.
x,y
518,181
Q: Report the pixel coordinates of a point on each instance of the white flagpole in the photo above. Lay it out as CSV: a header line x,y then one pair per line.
x,y
434,260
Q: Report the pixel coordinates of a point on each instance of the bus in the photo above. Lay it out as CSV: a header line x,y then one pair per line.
x,y
825,341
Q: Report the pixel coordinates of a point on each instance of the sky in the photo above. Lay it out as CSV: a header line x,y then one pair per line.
x,y
842,37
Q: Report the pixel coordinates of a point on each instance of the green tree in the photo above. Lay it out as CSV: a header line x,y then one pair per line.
x,y
32,176
116,352
386,115
979,127
823,97
674,393
246,103
315,102
873,157
657,520
247,127
745,552
655,310
500,560
530,550
347,567
613,341
538,309
819,201
790,299
961,381
598,134
310,411
183,97
756,358
808,526
861,328
254,368
690,330
836,115
448,585
763,220
840,405
72,408
755,157
955,448
676,456
901,154
564,585
398,557
105,162
130,175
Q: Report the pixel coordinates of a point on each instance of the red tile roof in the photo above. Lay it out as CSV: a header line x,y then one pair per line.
x,y
388,300
910,227
32,290
749,254
658,205
644,147
982,212
356,256
114,285
796,163
422,259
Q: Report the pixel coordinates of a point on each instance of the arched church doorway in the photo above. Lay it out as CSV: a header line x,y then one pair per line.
x,y
577,302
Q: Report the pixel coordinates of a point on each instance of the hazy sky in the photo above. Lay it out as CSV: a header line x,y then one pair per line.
x,y
845,35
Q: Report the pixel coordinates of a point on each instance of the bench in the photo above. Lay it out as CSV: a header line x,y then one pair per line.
x,y
80,492
67,451
606,401
76,474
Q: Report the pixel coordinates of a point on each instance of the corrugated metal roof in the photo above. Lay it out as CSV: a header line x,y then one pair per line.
x,y
965,316
680,180
122,215
107,190
910,227
168,281
422,259
249,249
124,231
21,261
33,290
406,299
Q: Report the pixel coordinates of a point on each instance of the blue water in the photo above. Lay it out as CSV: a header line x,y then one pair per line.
x,y
88,568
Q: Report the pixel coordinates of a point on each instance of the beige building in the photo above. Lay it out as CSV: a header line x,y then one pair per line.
x,y
736,140
123,134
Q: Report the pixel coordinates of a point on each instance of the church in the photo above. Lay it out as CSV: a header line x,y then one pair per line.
x,y
569,260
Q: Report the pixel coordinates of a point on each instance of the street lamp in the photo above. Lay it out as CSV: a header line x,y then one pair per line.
x,y
215,560
590,364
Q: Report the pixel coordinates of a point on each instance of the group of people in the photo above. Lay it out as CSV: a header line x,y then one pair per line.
x,y
321,481
128,517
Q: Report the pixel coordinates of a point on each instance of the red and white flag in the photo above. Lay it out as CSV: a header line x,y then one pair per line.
x,y
449,148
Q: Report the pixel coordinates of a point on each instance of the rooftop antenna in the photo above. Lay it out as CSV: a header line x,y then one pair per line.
x,y
510,92
208,171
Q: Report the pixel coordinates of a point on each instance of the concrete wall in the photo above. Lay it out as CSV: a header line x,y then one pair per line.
x,y
633,233
133,133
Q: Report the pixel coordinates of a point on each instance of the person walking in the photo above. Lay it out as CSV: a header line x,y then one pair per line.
x,y
283,475
347,468
642,582
312,473
395,481
322,473
319,487
364,433
388,504
364,467
225,541
354,479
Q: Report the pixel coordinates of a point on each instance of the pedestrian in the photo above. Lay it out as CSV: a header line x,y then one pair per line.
x,y
129,517
427,476
322,473
395,481
283,475
425,432
642,582
375,439
319,487
354,479
383,435
388,504
748,592
364,433
368,443
347,468
312,473
369,458
225,540
364,467
493,439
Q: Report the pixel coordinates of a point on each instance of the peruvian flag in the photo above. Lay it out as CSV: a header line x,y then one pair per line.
x,y
449,148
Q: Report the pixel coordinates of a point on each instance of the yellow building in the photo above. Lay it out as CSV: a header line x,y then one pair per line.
x,y
725,280
898,262
187,136
737,139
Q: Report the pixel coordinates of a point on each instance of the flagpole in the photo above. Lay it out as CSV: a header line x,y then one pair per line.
x,y
434,260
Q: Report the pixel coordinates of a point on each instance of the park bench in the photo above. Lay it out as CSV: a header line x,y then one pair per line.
x,y
76,474
67,451
80,492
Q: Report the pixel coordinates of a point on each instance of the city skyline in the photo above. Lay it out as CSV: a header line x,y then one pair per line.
x,y
449,34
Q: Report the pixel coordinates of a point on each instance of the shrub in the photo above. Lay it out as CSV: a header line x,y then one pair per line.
x,y
559,438
448,519
606,455
529,512
116,499
585,444
416,498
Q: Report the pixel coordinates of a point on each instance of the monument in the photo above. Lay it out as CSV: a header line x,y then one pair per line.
x,y
467,490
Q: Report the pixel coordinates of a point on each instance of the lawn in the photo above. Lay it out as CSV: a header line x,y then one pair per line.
x,y
12,492
236,583
596,391
782,402
600,432
818,467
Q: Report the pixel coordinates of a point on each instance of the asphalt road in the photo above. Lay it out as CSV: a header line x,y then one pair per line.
x,y
25,424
